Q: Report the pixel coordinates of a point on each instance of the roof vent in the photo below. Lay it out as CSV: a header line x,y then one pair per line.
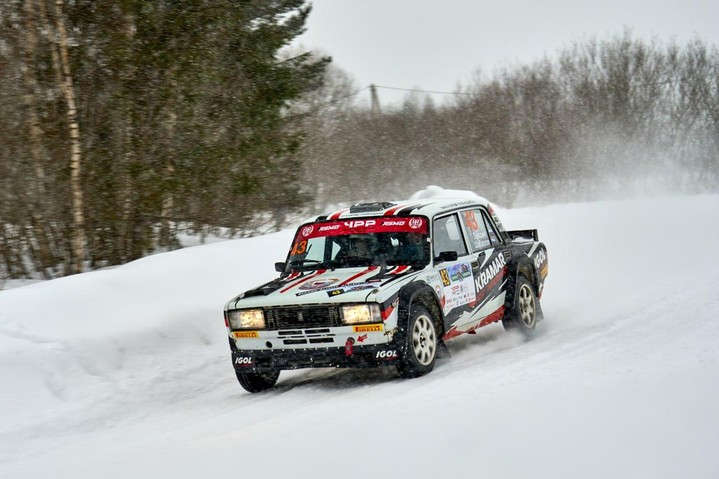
x,y
370,207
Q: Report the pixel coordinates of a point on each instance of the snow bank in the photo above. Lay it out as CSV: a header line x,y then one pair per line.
x,y
126,372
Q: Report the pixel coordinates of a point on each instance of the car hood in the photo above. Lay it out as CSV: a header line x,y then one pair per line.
x,y
327,286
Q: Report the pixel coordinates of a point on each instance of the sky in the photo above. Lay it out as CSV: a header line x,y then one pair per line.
x,y
430,45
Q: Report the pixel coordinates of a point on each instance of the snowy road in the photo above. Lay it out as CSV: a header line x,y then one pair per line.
x,y
126,372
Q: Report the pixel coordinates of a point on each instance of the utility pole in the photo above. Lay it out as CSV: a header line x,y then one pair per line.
x,y
376,109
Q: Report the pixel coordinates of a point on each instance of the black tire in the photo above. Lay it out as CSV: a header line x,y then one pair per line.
x,y
523,310
257,382
421,344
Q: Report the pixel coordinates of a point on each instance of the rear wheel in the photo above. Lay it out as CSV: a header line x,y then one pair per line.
x,y
523,308
256,382
421,344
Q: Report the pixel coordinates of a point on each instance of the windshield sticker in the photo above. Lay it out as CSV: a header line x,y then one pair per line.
x,y
458,285
414,224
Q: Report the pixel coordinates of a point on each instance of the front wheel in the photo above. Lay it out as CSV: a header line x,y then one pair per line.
x,y
421,346
523,309
256,382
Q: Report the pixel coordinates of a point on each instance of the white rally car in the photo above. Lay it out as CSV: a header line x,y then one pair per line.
x,y
385,284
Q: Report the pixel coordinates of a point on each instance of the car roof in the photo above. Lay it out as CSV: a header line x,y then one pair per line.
x,y
429,207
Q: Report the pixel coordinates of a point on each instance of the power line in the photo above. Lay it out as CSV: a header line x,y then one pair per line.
x,y
369,87
421,91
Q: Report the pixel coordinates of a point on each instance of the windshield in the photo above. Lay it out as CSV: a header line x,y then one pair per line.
x,y
388,241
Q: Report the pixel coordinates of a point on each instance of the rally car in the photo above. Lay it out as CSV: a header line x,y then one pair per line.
x,y
386,284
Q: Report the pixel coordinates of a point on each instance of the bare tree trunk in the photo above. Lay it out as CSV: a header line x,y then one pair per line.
x,y
31,90
37,234
167,228
78,234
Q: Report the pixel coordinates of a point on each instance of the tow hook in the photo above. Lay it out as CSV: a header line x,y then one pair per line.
x,y
348,346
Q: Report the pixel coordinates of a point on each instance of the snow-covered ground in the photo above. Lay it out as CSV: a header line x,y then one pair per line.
x,y
125,373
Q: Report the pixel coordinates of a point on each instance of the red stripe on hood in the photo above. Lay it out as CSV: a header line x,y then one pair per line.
x,y
400,269
361,273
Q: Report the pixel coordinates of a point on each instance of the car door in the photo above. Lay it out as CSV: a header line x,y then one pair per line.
x,y
455,287
490,255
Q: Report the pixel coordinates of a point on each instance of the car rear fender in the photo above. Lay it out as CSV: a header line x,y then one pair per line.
x,y
524,266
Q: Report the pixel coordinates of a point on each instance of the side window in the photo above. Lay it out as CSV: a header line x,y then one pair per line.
x,y
475,229
447,236
493,236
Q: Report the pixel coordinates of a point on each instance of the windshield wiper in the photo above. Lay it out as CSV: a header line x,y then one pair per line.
x,y
319,263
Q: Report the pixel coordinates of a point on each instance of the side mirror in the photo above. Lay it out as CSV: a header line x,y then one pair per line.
x,y
280,266
446,256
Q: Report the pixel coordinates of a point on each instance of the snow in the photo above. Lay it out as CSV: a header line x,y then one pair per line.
x,y
436,192
126,372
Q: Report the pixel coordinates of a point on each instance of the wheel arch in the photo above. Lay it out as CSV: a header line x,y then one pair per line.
x,y
522,266
419,293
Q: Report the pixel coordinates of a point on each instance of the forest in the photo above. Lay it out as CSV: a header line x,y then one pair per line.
x,y
127,124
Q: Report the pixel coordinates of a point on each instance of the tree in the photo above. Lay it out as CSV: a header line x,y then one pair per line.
x,y
185,110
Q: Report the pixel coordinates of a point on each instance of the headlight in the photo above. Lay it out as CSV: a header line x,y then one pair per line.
x,y
361,313
246,319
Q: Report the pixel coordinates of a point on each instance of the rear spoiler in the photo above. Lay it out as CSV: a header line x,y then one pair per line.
x,y
527,235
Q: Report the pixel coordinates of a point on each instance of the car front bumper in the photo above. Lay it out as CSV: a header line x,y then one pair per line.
x,y
352,355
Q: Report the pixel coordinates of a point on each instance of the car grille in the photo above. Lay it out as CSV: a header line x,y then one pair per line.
x,y
302,317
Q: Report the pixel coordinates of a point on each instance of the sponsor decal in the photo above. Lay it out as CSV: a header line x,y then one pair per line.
x,y
245,334
362,226
346,289
360,223
540,258
460,271
457,287
368,328
459,204
432,278
488,273
243,361
445,277
415,223
318,284
389,354
302,280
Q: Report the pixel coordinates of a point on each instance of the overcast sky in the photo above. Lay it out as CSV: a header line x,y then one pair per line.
x,y
434,44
